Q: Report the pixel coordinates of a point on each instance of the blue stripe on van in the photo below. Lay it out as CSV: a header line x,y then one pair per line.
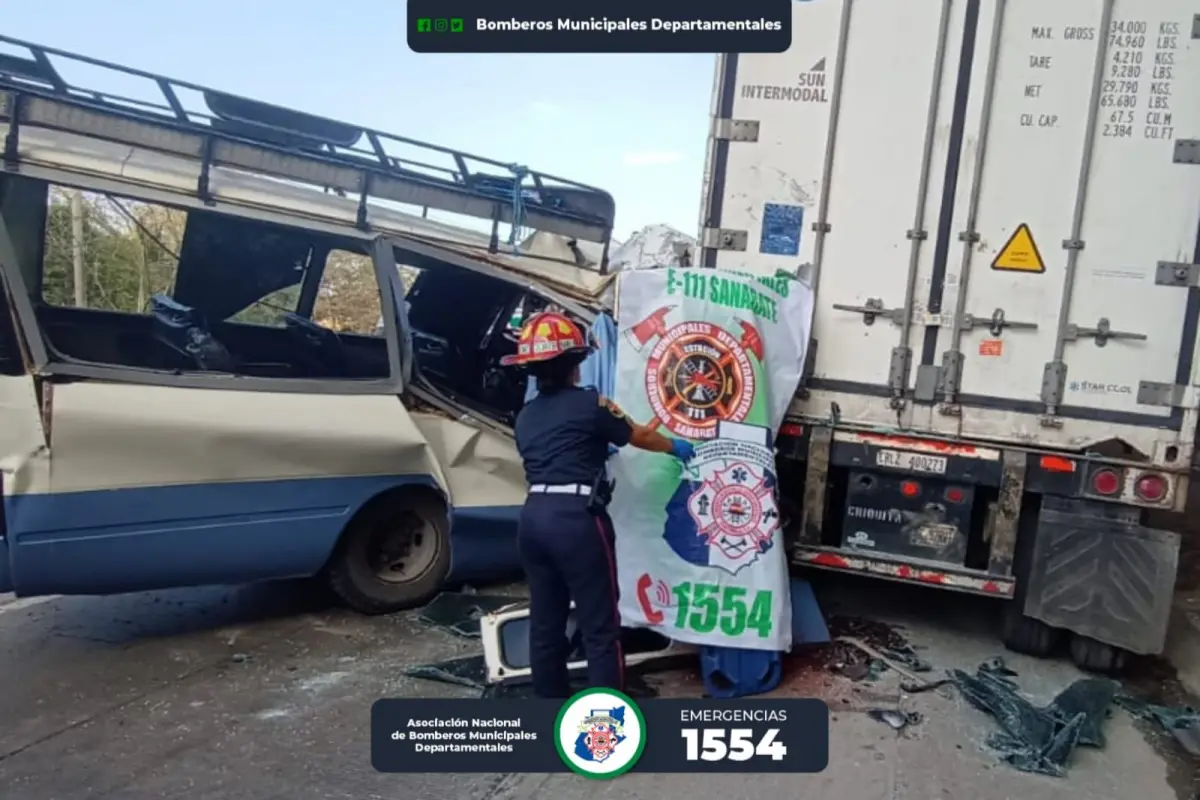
x,y
126,540
5,573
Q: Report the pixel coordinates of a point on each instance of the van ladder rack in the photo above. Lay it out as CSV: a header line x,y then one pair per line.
x,y
255,137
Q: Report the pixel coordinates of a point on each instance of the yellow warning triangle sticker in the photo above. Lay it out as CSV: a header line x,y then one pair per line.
x,y
1020,253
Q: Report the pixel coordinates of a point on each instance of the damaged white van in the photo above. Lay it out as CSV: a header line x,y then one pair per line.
x,y
194,387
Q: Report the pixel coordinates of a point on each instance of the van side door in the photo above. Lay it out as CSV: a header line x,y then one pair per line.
x,y
23,464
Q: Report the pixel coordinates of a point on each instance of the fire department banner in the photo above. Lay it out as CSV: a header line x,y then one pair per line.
x,y
713,357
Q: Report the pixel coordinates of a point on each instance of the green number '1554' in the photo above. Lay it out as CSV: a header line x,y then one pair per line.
x,y
702,607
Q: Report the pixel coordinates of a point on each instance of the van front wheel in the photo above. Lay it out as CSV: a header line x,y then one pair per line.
x,y
394,554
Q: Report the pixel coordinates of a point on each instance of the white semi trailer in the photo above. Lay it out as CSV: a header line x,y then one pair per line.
x,y
998,205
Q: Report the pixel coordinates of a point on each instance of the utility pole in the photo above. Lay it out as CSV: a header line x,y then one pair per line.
x,y
143,276
77,249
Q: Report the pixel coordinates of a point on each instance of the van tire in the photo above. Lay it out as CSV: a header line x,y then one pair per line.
x,y
1094,656
409,530
1027,635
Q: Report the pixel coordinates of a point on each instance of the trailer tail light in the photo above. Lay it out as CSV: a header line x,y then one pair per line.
x,y
1057,464
1151,488
791,429
910,488
1106,482
954,495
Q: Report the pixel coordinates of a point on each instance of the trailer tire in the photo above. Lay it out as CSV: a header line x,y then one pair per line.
x,y
1027,635
394,555
1095,656
1021,633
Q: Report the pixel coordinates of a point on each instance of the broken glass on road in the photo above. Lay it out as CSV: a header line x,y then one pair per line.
x,y
1182,723
459,613
1032,739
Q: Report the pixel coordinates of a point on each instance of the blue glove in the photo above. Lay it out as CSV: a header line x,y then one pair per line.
x,y
682,450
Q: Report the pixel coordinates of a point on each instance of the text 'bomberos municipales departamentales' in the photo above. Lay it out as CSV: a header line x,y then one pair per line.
x,y
606,25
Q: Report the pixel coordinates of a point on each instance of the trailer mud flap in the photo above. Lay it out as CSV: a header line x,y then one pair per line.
x,y
1097,572
505,635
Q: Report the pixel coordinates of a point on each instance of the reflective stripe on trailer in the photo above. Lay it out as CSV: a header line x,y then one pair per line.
x,y
963,581
934,446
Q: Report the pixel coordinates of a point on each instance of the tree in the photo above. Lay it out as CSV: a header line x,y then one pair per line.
x,y
131,252
348,297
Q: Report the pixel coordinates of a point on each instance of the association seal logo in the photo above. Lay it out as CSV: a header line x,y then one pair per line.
x,y
699,374
600,733
735,512
725,514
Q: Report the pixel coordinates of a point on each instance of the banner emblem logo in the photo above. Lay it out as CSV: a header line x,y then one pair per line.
x,y
699,374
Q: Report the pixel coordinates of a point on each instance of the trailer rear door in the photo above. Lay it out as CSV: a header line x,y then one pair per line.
x,y
997,201
1081,202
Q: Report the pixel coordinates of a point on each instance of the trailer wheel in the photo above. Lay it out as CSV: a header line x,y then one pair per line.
x,y
1094,656
1020,633
394,554
1027,635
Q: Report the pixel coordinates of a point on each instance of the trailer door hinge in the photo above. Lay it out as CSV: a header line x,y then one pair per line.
x,y
1177,273
950,378
1054,380
723,239
1170,395
1196,26
898,369
1187,151
736,130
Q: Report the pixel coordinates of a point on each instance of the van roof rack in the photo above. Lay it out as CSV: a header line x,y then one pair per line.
x,y
256,137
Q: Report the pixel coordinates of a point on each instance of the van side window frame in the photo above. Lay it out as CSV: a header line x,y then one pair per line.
x,y
395,323
19,302
49,364
462,261
453,258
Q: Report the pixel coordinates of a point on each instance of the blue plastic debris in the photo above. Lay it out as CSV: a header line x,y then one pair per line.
x,y
808,623
733,672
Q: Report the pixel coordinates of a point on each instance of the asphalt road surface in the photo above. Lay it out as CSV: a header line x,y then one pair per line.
x,y
264,692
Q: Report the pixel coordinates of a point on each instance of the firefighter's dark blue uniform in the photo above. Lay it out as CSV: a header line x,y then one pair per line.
x,y
568,551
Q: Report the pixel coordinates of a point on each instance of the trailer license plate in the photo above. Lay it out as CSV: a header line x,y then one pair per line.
x,y
914,462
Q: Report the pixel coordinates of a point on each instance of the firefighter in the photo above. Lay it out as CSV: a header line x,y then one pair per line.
x,y
565,535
